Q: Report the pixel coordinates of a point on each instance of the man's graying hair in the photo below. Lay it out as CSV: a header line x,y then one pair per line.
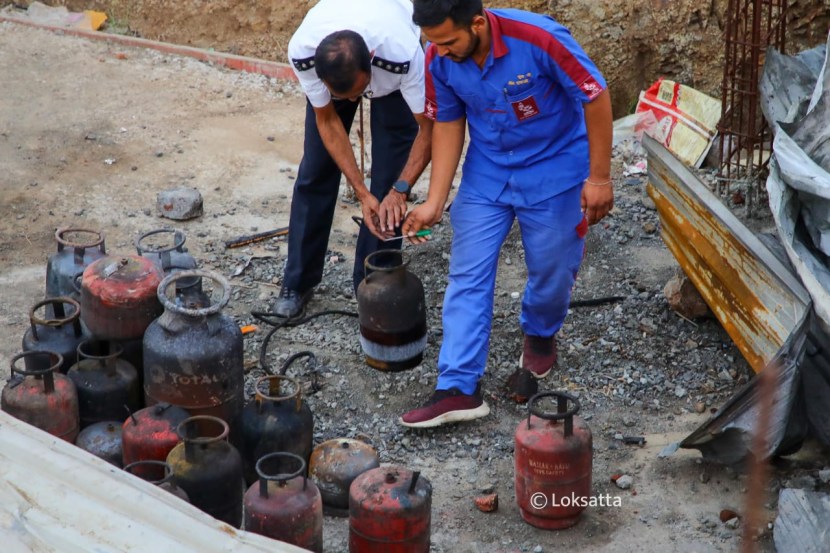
x,y
340,58
430,13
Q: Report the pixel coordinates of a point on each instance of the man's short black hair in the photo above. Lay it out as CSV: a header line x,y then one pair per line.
x,y
340,58
430,13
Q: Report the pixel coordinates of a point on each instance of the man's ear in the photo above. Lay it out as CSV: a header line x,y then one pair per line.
x,y
478,23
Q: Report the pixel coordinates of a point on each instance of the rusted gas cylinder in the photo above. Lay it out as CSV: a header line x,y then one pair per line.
x,y
58,329
276,420
209,469
146,470
107,385
102,439
165,247
333,467
193,355
118,297
284,505
150,434
77,249
390,511
43,398
552,463
392,313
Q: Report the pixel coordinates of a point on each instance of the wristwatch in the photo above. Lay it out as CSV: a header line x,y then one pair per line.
x,y
403,187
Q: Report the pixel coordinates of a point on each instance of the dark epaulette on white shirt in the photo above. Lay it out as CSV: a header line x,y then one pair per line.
x,y
401,68
305,64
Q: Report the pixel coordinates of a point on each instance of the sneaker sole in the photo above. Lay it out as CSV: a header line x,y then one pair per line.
x,y
450,416
536,375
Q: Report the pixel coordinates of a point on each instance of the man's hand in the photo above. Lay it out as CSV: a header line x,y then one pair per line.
x,y
597,199
369,206
423,216
391,213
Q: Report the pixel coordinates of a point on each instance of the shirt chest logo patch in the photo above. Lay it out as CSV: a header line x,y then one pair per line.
x,y
525,108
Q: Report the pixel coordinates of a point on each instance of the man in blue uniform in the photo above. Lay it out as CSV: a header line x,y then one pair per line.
x,y
341,52
540,126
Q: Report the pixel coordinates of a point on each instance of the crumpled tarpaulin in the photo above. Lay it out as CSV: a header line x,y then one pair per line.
x,y
796,102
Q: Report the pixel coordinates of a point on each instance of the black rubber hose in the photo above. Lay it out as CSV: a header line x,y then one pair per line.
x,y
280,322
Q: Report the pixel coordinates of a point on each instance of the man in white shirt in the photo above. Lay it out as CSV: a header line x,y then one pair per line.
x,y
341,52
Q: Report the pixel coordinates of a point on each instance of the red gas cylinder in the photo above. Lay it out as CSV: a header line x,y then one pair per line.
x,y
553,456
390,511
43,398
149,435
118,297
285,506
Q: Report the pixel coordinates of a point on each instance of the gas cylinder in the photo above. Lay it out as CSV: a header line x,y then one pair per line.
x,y
77,248
107,385
166,481
59,330
392,313
390,511
102,439
553,455
276,420
193,355
284,505
150,434
118,297
333,467
209,469
43,398
170,256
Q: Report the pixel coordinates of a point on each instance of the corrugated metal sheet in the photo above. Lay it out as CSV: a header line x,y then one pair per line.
x,y
55,497
754,296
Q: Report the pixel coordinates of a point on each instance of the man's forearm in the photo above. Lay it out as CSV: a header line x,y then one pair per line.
x,y
599,124
420,153
447,144
336,141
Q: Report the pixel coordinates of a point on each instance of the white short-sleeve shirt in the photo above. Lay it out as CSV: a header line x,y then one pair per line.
x,y
387,28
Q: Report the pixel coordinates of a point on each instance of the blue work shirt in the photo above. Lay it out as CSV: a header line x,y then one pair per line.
x,y
523,107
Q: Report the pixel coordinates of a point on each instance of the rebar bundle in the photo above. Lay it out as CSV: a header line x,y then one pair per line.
x,y
745,141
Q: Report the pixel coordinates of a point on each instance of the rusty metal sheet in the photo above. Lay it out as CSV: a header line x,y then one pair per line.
x,y
753,295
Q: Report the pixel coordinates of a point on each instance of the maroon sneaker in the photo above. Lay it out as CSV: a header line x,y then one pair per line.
x,y
538,355
446,406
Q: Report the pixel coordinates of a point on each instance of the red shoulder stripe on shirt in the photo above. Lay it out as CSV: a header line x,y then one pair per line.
x,y
556,50
431,104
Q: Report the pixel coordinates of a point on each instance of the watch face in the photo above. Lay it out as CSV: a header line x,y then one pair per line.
x,y
401,186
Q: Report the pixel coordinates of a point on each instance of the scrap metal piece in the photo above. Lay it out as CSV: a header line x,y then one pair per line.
x,y
754,296
759,302
258,237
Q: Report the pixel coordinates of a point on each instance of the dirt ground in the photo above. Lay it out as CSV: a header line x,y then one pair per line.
x,y
90,133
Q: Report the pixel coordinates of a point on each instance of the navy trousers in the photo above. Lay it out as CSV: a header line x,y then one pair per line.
x,y
318,181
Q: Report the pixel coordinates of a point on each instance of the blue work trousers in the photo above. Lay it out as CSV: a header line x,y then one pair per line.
x,y
553,237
